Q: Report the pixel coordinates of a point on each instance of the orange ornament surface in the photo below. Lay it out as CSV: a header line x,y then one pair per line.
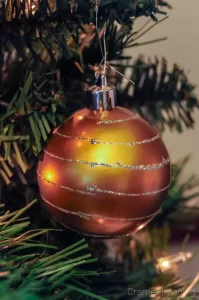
x,y
104,173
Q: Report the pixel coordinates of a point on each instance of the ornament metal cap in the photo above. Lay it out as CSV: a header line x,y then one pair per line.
x,y
101,95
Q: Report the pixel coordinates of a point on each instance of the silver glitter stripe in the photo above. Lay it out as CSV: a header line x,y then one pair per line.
x,y
153,167
98,142
65,187
88,216
117,121
136,116
92,190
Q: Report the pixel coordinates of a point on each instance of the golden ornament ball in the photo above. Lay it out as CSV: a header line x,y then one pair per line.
x,y
105,171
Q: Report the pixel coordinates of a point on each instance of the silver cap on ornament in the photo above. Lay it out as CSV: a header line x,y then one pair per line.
x,y
101,96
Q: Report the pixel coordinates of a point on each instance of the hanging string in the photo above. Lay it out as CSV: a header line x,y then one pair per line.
x,y
122,75
104,53
96,26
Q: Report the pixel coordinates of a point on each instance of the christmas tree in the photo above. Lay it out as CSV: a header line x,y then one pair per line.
x,y
51,52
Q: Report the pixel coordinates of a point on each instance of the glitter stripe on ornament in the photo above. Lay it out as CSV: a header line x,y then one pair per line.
x,y
153,167
92,190
136,116
88,216
98,142
65,187
108,122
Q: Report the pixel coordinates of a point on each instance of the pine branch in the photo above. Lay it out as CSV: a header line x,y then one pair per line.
x,y
27,271
26,124
83,11
39,49
48,25
175,209
164,98
164,3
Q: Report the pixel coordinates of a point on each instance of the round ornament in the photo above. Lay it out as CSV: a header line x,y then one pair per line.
x,y
105,171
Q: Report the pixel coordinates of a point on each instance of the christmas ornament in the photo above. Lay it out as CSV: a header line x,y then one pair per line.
x,y
105,171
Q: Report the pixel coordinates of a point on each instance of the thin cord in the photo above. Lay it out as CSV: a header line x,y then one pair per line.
x,y
104,53
105,50
99,64
96,25
96,15
121,74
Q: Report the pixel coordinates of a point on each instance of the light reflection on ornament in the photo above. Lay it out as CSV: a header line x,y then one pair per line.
x,y
80,117
101,221
79,144
85,179
140,227
101,154
49,175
